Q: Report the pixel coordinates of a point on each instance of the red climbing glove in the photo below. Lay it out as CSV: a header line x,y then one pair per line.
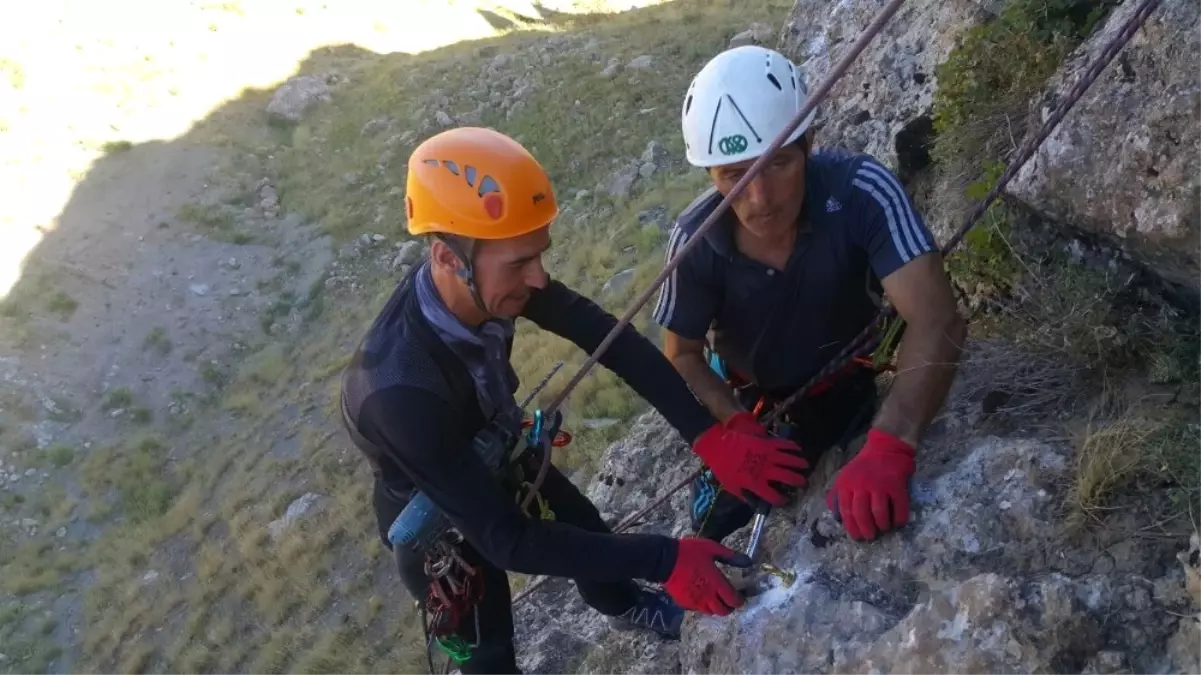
x,y
748,462
696,583
871,493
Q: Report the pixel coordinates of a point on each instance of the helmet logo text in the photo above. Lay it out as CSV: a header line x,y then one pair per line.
x,y
732,145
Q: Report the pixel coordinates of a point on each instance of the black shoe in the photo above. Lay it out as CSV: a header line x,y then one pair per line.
x,y
654,611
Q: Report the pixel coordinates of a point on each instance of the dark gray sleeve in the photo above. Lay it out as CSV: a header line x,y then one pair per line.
x,y
424,436
631,357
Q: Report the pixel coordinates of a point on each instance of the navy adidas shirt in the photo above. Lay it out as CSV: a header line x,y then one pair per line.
x,y
780,327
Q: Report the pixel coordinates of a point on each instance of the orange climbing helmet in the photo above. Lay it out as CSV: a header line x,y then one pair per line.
x,y
477,183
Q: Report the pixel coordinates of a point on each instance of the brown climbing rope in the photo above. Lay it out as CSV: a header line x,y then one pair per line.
x,y
869,338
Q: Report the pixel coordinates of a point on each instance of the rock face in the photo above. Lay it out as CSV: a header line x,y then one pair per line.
x,y
886,96
977,582
981,580
1123,161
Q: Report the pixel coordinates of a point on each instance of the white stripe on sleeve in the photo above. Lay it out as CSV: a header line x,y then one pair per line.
x,y
918,241
886,206
666,306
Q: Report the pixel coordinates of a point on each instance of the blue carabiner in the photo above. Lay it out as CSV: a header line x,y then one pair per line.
x,y
536,430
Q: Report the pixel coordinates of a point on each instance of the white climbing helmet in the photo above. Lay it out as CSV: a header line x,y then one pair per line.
x,y
738,103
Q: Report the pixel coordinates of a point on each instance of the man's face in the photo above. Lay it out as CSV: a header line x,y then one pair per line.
x,y
508,270
771,203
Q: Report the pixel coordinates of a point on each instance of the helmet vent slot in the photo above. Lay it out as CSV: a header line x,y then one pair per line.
x,y
771,77
451,166
487,185
469,171
431,162
688,104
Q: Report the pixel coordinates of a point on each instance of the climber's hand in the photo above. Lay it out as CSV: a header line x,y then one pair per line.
x,y
696,583
871,493
747,461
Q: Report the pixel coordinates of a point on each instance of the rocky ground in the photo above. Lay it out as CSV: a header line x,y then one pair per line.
x,y
985,578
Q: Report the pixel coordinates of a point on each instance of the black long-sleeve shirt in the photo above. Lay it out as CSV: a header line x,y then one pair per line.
x,y
411,408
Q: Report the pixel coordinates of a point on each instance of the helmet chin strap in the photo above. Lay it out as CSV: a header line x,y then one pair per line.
x,y
467,274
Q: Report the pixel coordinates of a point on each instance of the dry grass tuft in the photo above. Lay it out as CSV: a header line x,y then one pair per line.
x,y
1011,380
1109,455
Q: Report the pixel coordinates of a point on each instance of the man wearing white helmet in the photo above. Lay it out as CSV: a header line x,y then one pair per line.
x,y
790,276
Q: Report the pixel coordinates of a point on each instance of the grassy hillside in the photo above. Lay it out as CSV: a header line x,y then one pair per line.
x,y
181,570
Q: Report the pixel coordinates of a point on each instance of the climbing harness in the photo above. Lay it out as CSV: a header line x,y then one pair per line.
x,y
455,586
879,338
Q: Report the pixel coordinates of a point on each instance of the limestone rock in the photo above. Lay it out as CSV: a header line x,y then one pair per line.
x,y
757,34
979,581
891,85
654,153
300,508
268,197
620,183
407,254
656,215
1191,561
618,282
296,96
1182,648
641,62
1123,161
623,482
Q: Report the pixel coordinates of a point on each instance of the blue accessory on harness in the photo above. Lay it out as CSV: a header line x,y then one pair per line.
x,y
718,365
704,486
704,492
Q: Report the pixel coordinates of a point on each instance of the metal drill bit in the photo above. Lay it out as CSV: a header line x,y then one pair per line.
x,y
757,528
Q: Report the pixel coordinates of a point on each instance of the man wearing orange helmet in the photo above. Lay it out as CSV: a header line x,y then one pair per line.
x,y
433,373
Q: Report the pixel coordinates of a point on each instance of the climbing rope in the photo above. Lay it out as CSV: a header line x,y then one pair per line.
x,y
870,338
